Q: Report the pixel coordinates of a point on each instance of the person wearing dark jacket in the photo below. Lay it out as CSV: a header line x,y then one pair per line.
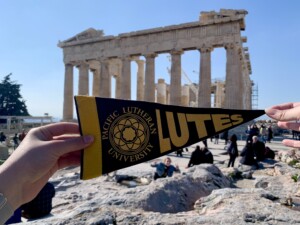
x,y
248,156
269,153
197,157
208,156
270,134
254,131
232,150
258,148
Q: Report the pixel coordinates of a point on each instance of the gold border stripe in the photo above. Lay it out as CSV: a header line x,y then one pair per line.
x,y
92,156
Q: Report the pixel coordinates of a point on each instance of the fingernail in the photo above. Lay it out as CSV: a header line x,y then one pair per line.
x,y
88,139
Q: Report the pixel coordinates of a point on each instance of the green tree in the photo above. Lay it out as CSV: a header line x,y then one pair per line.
x,y
11,101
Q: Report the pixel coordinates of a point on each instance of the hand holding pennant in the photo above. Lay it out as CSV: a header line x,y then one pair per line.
x,y
130,132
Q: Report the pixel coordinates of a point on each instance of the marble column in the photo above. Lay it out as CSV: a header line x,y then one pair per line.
x,y
247,87
161,91
175,84
248,93
105,85
68,93
83,84
149,94
118,81
185,99
204,92
219,94
94,66
140,80
96,81
233,89
126,78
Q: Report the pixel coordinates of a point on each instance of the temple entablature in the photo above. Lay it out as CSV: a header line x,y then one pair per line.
x,y
110,57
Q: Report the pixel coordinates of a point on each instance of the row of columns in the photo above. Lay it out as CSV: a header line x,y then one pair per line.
x,y
146,80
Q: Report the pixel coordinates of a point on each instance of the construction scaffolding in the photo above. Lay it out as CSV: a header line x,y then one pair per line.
x,y
254,96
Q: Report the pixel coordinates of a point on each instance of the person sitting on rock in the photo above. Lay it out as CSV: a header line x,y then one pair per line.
x,y
269,153
258,148
41,205
208,156
164,169
197,157
248,156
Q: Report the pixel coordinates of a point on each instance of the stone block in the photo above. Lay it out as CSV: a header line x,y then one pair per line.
x,y
3,152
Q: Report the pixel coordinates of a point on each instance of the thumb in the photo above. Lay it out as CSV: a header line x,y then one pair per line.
x,y
74,144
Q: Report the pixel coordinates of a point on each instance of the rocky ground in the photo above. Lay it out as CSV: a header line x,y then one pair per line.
x,y
204,194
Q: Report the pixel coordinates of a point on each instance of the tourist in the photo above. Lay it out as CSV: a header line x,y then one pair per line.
x,y
16,141
22,136
295,134
164,169
2,137
270,133
179,152
216,139
205,143
253,131
263,133
258,148
248,156
208,156
44,151
197,157
232,150
225,137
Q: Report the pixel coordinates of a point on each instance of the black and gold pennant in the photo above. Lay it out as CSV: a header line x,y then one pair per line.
x,y
130,132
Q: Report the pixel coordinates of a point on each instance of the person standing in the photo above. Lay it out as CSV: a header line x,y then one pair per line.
x,y
216,139
270,134
16,141
232,150
205,143
22,136
263,132
225,137
254,131
179,152
2,137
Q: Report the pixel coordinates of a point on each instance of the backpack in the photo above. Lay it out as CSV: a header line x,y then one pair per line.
x,y
41,205
231,150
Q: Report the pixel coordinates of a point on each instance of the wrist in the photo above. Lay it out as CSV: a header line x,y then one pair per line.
x,y
6,210
9,187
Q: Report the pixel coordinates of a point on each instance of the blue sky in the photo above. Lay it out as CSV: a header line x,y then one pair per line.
x,y
31,29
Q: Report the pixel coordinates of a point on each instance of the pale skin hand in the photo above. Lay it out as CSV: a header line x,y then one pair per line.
x,y
43,151
287,114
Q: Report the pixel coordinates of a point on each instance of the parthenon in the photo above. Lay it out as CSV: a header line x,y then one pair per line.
x,y
108,57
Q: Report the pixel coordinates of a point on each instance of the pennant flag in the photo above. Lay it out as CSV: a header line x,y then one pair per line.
x,y
130,132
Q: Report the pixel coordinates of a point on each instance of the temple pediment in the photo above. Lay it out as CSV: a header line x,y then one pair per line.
x,y
86,34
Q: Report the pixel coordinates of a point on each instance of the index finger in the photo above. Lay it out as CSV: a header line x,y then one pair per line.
x,y
284,112
57,129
